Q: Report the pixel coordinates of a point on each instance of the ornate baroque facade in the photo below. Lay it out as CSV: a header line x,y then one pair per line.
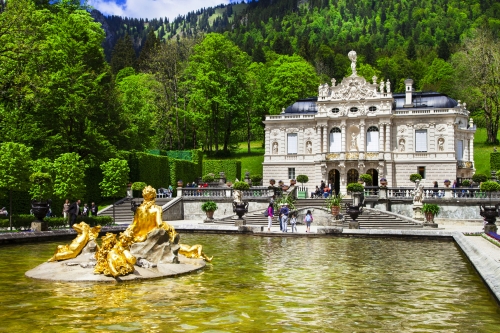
x,y
359,127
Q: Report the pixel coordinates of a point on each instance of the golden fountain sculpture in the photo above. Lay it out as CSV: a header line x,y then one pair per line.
x,y
114,257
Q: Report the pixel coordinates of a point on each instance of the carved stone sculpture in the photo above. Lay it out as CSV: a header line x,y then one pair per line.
x,y
309,147
354,141
402,145
275,148
353,57
441,144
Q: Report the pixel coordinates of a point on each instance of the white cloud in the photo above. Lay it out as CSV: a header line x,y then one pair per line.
x,y
152,8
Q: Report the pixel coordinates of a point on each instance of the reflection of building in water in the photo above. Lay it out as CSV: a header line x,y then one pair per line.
x,y
360,127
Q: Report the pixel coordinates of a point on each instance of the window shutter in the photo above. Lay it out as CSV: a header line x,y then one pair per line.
x,y
460,150
421,140
372,141
335,142
292,143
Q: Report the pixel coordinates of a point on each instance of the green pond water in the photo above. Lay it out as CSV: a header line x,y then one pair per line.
x,y
260,284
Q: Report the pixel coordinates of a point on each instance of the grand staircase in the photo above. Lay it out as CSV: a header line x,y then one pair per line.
x,y
370,219
123,213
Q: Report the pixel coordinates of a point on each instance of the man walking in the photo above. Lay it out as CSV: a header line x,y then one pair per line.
x,y
74,211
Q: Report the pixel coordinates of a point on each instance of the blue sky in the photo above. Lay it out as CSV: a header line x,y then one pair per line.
x,y
153,8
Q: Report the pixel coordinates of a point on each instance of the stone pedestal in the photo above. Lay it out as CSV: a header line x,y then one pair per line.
x,y
356,198
430,225
448,192
417,212
354,225
490,228
382,193
240,222
39,226
179,191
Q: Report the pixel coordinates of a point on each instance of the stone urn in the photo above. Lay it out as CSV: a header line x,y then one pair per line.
x,y
354,212
447,183
180,183
210,214
240,208
40,209
383,182
490,214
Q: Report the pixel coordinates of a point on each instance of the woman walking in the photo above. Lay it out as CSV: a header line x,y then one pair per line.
x,y
270,215
307,220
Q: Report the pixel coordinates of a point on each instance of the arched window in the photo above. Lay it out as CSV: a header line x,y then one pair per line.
x,y
372,108
353,109
372,139
335,140
335,110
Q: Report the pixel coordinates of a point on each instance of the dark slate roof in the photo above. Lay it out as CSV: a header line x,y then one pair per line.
x,y
421,100
428,99
306,105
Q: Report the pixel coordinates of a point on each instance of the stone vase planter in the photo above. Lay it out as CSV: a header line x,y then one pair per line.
x,y
447,184
335,210
40,209
383,183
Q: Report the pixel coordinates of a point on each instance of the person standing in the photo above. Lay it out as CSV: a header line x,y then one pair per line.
x,y
74,211
307,220
293,221
284,211
86,210
94,209
270,215
66,210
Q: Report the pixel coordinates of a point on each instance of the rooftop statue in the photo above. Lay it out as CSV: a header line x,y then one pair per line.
x,y
353,57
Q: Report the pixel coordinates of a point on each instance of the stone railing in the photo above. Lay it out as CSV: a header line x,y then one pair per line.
x,y
438,193
223,192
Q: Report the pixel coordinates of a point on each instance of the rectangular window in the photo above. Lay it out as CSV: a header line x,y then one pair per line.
x,y
292,143
372,141
291,173
460,150
335,142
421,140
421,171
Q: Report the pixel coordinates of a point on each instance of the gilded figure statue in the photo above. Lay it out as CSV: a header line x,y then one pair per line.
x,y
84,234
194,252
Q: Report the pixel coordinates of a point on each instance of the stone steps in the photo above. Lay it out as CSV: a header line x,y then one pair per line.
x,y
123,212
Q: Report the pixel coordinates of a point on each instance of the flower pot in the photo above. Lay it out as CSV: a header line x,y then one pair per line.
x,y
335,210
447,184
360,181
180,183
40,209
429,217
210,214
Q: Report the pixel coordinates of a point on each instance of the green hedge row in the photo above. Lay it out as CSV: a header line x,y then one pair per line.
x,y
24,221
495,161
153,170
183,170
231,168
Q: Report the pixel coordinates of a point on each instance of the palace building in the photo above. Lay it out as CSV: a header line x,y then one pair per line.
x,y
358,127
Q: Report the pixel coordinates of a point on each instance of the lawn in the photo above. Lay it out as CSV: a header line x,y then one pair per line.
x,y
482,152
251,162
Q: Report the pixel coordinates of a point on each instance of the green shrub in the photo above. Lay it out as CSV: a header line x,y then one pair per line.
x,y
183,170
139,186
355,187
209,206
209,178
430,208
495,161
256,179
231,168
479,178
334,200
241,186
465,182
414,177
366,178
490,186
302,179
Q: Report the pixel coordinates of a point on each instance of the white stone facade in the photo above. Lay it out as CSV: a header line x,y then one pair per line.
x,y
360,127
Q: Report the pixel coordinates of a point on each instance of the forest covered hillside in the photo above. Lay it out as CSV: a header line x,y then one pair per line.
x,y
323,31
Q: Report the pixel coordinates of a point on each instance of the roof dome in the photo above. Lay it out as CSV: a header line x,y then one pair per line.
x,y
306,105
428,99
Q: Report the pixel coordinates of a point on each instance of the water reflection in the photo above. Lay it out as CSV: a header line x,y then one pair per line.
x,y
264,284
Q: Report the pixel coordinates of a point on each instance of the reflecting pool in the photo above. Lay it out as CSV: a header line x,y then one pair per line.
x,y
264,284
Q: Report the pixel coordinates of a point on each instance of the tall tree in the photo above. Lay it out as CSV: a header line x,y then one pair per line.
x,y
148,50
69,174
478,73
411,51
115,178
14,169
123,55
217,81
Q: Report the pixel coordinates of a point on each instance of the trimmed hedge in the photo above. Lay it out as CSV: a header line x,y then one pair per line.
x,y
182,170
24,221
153,170
495,161
231,168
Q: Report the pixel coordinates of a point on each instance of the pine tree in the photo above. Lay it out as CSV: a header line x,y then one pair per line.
x,y
259,55
444,50
150,45
123,55
411,52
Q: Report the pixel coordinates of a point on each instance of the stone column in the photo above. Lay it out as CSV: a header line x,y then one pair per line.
x,y
362,137
387,137
268,149
325,138
343,134
471,151
381,132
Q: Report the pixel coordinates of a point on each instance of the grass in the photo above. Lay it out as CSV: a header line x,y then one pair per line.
x,y
482,152
251,162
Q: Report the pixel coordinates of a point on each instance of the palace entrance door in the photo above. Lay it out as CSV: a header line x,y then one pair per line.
x,y
334,179
352,176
